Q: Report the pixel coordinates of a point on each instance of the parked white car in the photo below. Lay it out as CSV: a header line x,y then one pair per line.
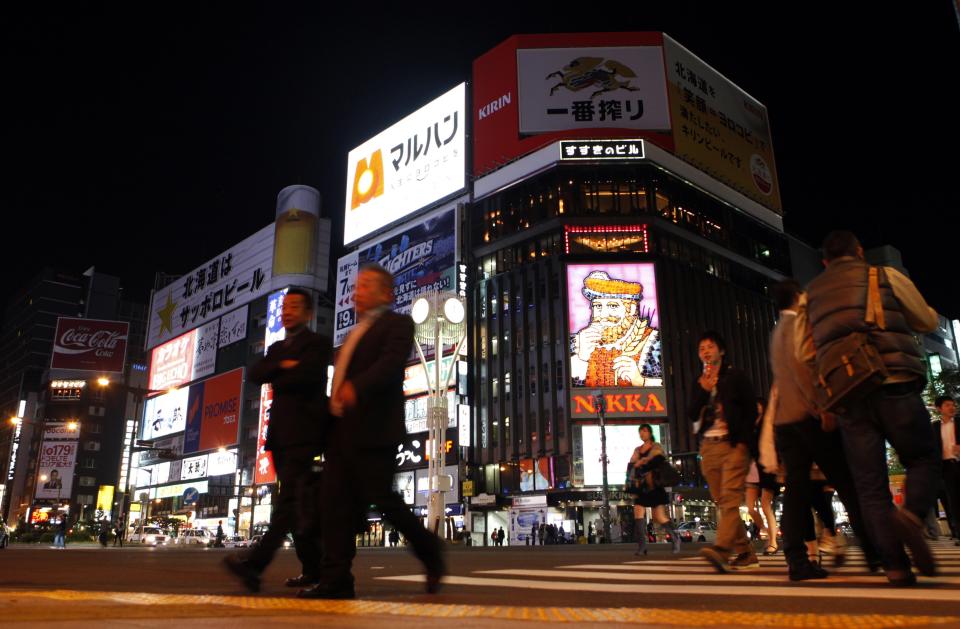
x,y
698,532
203,537
151,535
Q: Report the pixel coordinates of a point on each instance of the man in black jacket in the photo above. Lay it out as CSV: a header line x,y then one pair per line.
x,y
296,369
946,436
724,411
367,412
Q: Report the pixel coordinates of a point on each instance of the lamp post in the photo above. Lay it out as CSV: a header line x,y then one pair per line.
x,y
440,319
605,508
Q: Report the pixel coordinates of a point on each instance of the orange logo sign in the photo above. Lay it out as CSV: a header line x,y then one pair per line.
x,y
367,180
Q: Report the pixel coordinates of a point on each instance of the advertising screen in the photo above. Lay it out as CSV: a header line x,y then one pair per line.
x,y
213,415
416,162
621,441
165,414
184,359
422,258
615,346
57,461
90,345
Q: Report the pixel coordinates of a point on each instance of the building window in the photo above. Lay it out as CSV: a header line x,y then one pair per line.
x,y
84,499
95,429
90,463
88,481
92,446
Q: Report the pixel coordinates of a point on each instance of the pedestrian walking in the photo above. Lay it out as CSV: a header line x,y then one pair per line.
x,y
723,411
296,370
644,472
500,537
807,442
60,539
118,535
854,310
533,532
367,423
762,489
218,541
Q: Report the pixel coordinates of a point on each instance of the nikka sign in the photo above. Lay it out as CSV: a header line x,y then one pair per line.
x,y
620,403
90,345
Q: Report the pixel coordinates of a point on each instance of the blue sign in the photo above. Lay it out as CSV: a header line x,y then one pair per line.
x,y
190,496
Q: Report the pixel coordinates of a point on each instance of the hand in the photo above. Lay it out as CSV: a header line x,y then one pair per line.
x,y
708,379
626,368
346,395
289,364
586,341
828,422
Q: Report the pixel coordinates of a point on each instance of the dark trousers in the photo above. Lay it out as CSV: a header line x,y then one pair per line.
x,y
294,511
950,495
353,480
800,445
894,413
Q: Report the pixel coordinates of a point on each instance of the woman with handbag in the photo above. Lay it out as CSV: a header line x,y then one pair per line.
x,y
644,472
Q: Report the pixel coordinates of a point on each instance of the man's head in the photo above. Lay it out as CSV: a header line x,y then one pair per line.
x,y
946,406
374,288
840,244
711,348
614,304
786,294
297,309
54,474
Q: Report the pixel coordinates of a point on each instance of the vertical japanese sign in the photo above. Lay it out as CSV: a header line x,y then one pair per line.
x,y
264,472
719,128
58,458
345,316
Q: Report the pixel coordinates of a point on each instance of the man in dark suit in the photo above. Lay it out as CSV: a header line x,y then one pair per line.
x,y
946,435
296,369
367,411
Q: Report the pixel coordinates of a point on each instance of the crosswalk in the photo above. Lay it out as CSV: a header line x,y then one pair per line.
x,y
692,575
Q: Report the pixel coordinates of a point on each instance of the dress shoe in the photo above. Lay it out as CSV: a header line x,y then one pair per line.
x,y
901,578
745,561
302,580
328,592
909,529
242,570
807,571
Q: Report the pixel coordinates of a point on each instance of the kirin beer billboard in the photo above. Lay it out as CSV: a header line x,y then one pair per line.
x,y
90,345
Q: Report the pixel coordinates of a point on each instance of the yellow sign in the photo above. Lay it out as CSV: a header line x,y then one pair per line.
x,y
467,488
105,498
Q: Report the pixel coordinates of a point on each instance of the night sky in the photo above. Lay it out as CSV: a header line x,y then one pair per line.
x,y
140,140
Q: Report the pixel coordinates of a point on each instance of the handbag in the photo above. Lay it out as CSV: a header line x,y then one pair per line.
x,y
665,475
851,368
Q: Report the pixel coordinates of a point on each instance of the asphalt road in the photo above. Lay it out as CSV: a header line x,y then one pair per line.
x,y
508,580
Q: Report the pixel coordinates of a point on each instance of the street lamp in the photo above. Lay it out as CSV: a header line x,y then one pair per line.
x,y
440,319
605,508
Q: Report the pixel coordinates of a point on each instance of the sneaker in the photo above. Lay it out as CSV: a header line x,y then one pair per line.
x,y
745,561
716,558
836,546
807,572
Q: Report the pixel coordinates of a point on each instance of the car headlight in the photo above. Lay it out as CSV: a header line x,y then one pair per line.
x,y
151,539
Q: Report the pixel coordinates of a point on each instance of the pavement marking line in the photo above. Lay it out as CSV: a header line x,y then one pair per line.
x,y
749,576
883,593
230,606
705,569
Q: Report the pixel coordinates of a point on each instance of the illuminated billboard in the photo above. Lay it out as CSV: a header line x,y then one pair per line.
x,y
213,417
90,345
165,414
188,357
621,441
415,162
615,347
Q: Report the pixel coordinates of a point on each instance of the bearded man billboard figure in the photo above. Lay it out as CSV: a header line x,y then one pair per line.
x,y
620,346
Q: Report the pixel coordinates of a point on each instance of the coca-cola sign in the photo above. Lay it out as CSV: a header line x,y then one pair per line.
x,y
90,345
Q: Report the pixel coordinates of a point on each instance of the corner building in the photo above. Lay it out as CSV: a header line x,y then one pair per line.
x,y
634,186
